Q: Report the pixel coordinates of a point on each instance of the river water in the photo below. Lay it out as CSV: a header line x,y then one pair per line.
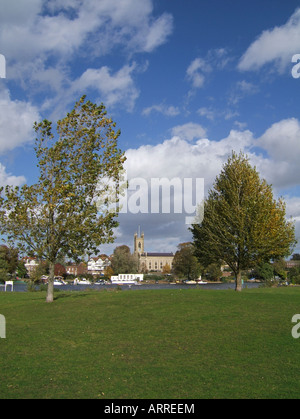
x,y
217,286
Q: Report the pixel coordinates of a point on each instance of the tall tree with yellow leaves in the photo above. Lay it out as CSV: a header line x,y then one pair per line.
x,y
68,212
243,225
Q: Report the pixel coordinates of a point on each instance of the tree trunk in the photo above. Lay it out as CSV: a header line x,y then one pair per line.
x,y
50,289
238,281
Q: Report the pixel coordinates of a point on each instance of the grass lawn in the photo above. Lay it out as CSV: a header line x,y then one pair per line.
x,y
157,344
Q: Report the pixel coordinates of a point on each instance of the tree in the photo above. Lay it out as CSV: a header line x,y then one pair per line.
x,y
243,225
8,262
294,275
185,264
279,268
264,271
68,212
123,262
59,270
21,269
213,272
42,269
166,269
108,272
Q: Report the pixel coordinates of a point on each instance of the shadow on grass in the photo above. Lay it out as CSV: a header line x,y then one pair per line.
x,y
77,294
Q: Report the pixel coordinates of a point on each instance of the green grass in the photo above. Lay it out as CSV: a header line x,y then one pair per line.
x,y
151,344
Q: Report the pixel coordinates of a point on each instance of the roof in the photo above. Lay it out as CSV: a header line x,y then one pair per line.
x,y
157,254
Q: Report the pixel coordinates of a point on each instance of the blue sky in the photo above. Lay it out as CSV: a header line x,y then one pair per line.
x,y
186,81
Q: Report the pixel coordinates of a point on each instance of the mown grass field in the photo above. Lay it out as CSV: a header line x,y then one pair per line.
x,y
179,344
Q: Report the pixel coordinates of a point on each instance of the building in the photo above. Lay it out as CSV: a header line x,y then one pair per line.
x,y
148,261
294,263
30,264
74,269
97,265
127,279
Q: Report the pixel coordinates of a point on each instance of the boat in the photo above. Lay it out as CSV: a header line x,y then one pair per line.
x,y
57,283
100,282
82,281
192,282
125,279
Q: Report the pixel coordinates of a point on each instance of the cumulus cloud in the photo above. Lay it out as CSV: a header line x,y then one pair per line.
x,y
276,45
196,72
241,90
199,68
282,143
180,157
189,131
282,140
16,122
293,212
9,179
113,88
185,156
191,156
32,31
163,109
40,40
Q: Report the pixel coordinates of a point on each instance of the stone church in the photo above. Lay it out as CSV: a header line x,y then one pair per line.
x,y
150,261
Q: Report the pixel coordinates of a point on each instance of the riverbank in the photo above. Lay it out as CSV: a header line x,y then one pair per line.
x,y
22,287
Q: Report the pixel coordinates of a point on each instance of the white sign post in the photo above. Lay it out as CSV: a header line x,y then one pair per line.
x,y
7,283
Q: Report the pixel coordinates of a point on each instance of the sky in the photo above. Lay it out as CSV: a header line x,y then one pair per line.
x,y
186,81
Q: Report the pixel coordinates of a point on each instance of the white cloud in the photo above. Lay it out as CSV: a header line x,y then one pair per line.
x,y
113,88
282,143
276,45
8,179
240,90
158,32
186,156
40,40
208,113
182,157
196,72
293,211
179,157
36,30
16,122
189,131
163,109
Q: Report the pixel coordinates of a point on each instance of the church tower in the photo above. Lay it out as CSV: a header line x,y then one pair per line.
x,y
138,243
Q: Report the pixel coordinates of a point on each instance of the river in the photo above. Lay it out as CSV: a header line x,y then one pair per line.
x,y
70,287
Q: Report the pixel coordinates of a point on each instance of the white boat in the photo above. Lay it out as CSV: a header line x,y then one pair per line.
x,y
195,282
126,279
82,281
57,283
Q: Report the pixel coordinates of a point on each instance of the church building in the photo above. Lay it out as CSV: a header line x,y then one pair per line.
x,y
151,261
